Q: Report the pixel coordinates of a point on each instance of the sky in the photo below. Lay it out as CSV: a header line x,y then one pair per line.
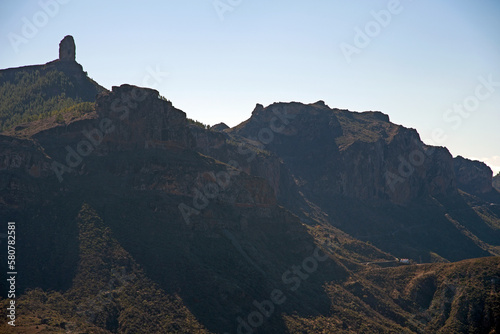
x,y
432,65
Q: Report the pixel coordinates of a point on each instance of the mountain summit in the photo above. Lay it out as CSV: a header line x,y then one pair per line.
x,y
67,49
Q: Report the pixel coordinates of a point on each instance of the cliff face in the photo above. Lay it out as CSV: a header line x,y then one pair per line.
x,y
335,152
23,157
474,177
496,182
22,166
136,117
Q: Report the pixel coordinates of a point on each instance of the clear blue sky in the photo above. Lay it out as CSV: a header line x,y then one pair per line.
x,y
416,65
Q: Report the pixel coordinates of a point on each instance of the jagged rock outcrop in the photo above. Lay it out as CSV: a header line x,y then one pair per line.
x,y
474,177
208,141
23,156
67,49
219,127
137,117
22,166
67,62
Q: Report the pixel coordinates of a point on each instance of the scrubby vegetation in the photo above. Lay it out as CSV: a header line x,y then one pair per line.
x,y
198,123
110,294
37,93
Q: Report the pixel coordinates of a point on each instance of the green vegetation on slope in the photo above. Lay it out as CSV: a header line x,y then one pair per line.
x,y
52,119
33,93
198,123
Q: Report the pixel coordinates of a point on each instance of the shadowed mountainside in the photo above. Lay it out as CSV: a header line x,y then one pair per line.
x,y
373,179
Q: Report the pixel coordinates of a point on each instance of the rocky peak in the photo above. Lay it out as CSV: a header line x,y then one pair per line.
x,y
67,49
258,109
219,127
138,117
67,62
321,104
377,115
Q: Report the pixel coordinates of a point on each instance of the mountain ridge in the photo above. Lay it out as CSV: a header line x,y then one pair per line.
x,y
295,220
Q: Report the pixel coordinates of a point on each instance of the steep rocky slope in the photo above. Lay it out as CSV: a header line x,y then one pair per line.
x,y
474,177
496,182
